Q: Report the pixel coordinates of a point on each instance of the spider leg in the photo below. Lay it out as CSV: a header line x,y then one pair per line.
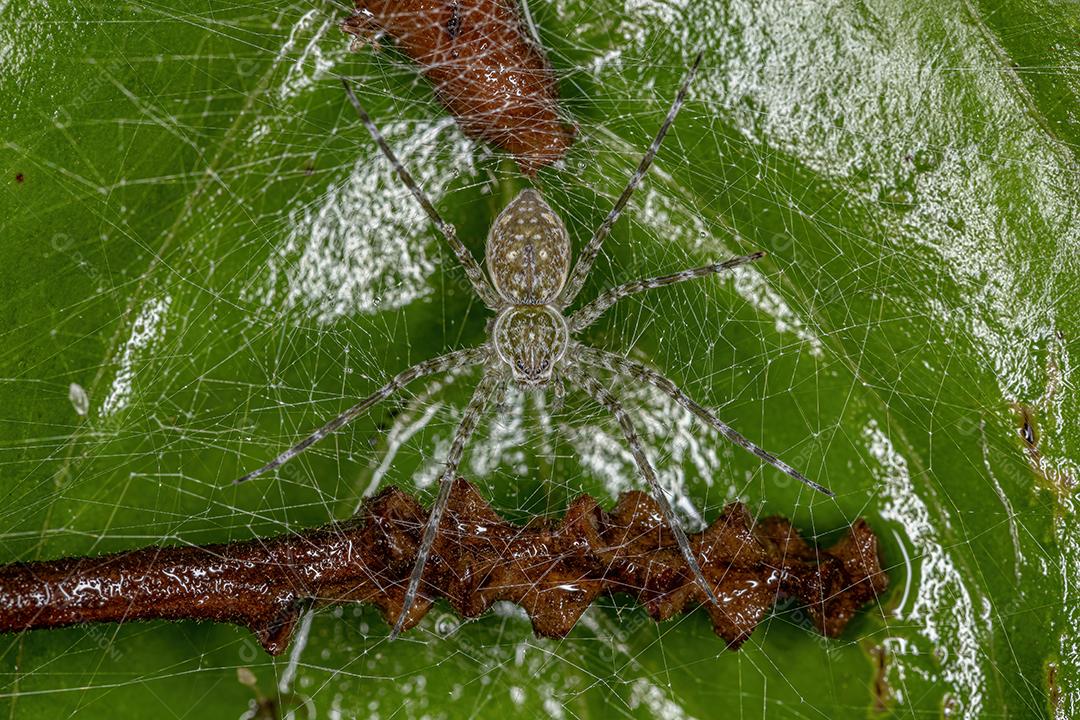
x,y
638,371
589,253
588,314
603,396
450,361
472,269
558,391
499,399
489,385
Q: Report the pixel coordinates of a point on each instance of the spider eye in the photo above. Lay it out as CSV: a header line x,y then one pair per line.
x,y
544,365
520,365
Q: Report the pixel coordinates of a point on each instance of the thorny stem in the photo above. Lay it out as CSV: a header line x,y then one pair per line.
x,y
553,571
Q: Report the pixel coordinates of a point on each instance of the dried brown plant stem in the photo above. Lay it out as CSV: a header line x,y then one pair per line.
x,y
554,571
485,67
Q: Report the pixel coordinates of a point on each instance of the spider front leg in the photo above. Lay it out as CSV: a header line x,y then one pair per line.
x,y
637,371
558,393
443,363
603,396
588,314
489,386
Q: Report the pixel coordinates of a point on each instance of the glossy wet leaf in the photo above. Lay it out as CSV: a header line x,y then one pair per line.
x,y
203,256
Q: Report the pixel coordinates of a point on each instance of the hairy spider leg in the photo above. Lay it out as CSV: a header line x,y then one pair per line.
x,y
589,253
419,410
603,396
637,371
588,314
472,269
558,390
443,363
488,386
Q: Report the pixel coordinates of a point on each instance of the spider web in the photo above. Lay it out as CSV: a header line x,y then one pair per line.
x,y
209,258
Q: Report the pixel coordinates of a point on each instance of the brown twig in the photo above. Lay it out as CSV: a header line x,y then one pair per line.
x,y
485,69
554,571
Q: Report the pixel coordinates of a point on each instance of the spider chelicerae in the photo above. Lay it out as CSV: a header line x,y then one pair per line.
x,y
530,342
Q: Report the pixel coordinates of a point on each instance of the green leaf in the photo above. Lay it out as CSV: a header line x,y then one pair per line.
x,y
199,236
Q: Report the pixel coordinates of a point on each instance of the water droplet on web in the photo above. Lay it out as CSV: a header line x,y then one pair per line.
x,y
79,399
446,625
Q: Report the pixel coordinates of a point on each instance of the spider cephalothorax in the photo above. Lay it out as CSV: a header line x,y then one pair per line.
x,y
528,260
531,340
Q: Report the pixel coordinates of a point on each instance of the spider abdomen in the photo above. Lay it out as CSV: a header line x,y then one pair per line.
x,y
528,251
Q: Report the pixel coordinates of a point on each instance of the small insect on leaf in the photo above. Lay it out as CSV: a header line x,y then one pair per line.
x,y
79,400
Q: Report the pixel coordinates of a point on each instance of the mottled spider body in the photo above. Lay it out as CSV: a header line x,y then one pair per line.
x,y
531,283
531,340
528,251
528,259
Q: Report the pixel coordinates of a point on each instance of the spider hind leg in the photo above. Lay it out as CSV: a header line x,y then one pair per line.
x,y
591,250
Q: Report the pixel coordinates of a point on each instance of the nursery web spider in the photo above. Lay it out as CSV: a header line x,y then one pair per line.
x,y
531,341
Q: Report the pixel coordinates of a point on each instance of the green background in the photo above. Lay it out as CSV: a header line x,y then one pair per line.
x,y
196,231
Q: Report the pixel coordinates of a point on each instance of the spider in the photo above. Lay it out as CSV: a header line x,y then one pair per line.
x,y
530,341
